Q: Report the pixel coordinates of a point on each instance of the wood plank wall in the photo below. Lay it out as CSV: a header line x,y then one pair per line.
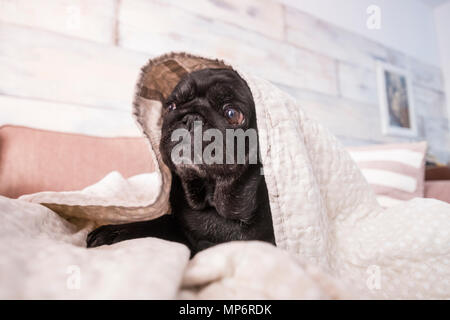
x,y
70,65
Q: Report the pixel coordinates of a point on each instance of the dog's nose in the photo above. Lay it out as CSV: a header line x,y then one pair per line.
x,y
189,119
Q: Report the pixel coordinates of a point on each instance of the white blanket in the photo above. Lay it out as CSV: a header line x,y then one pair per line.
x,y
325,217
44,257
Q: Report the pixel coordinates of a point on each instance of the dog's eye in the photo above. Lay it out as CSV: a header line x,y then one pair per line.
x,y
172,106
233,115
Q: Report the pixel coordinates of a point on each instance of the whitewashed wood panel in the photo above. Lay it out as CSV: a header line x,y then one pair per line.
x,y
358,123
436,132
157,28
358,83
343,117
420,121
425,75
66,118
306,31
45,65
355,142
263,16
87,19
429,103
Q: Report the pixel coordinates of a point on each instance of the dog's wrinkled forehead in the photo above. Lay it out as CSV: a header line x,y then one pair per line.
x,y
160,76
216,84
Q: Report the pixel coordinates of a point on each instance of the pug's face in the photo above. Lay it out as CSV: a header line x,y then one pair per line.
x,y
217,99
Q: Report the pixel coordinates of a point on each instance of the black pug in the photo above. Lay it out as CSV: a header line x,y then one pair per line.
x,y
211,203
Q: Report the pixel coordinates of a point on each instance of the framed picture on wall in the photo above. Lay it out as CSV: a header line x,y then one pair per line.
x,y
396,104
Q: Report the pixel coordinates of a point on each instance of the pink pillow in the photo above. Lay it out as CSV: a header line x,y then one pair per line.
x,y
33,160
395,171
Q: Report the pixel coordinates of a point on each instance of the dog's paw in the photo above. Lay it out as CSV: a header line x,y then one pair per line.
x,y
108,234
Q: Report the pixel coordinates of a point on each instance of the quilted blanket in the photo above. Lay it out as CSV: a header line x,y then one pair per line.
x,y
43,256
330,232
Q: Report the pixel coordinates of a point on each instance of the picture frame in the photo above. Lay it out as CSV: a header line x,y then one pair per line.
x,y
398,117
